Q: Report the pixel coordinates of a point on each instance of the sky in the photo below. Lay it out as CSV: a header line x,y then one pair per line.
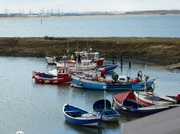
x,y
36,6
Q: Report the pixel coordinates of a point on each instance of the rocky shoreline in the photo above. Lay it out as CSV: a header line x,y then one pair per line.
x,y
164,51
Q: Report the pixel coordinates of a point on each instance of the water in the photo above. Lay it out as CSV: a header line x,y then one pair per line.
x,y
123,26
37,108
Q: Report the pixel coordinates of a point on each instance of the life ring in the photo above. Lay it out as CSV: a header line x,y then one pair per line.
x,y
80,82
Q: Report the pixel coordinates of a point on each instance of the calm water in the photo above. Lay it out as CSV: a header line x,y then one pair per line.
x,y
37,108
137,26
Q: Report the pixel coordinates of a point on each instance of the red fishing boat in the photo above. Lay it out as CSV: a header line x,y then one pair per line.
x,y
63,76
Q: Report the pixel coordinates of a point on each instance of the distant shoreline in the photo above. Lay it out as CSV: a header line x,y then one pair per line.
x,y
88,16
172,12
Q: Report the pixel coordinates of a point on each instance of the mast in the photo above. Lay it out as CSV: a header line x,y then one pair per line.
x,y
104,100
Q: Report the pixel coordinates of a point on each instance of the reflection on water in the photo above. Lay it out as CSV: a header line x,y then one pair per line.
x,y
82,130
127,117
37,108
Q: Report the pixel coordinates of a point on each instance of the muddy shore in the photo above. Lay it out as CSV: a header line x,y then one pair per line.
x,y
163,51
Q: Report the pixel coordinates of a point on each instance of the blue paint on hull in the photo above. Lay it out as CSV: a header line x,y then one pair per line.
x,y
92,122
89,84
110,68
108,113
143,112
79,116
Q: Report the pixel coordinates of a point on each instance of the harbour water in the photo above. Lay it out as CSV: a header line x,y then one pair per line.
x,y
119,26
37,108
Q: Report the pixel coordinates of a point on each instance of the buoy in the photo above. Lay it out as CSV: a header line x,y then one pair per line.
x,y
178,98
72,85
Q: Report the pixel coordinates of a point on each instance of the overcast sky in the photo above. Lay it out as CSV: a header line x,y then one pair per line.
x,y
85,5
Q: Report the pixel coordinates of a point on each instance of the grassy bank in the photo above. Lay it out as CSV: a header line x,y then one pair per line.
x,y
164,51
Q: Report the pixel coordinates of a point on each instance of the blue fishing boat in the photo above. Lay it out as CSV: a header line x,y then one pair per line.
x,y
104,107
79,116
116,83
108,68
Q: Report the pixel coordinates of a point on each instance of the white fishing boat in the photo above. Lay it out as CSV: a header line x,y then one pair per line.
x,y
74,66
150,99
52,59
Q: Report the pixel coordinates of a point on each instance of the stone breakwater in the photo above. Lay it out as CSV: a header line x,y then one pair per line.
x,y
163,51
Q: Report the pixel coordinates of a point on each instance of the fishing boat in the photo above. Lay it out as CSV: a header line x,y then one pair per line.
x,y
51,59
150,98
82,117
104,107
94,56
80,66
63,76
108,68
82,61
103,70
116,83
126,102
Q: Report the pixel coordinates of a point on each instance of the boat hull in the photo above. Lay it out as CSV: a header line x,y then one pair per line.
x,y
150,100
142,111
126,102
84,122
92,120
99,62
90,84
86,84
108,68
50,79
104,107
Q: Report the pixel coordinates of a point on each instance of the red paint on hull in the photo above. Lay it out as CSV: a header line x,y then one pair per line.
x,y
39,78
100,62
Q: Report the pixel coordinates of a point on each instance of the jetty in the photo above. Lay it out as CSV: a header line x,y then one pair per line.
x,y
166,122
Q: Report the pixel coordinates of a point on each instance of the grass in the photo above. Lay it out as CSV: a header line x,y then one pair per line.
x,y
158,50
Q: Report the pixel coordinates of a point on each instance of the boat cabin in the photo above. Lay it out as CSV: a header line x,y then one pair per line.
x,y
81,53
94,55
123,79
86,62
85,54
71,63
62,72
